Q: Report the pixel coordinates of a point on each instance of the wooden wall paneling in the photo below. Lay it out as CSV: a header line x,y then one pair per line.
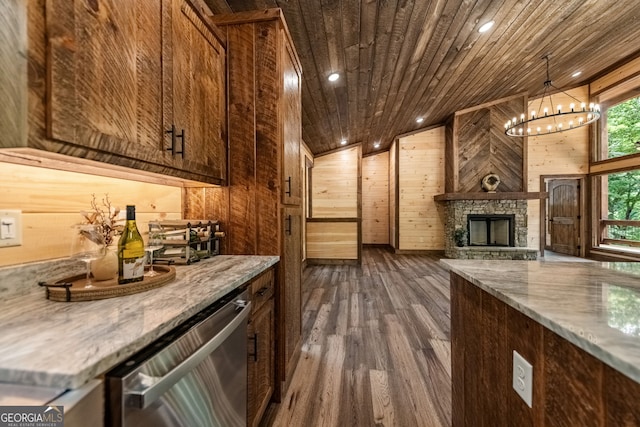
x,y
335,184
484,148
621,74
332,240
51,201
242,228
556,154
13,73
375,199
268,147
420,177
393,194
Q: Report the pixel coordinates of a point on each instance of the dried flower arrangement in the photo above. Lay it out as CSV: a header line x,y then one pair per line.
x,y
106,216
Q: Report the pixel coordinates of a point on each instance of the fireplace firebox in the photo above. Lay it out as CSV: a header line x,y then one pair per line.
x,y
491,230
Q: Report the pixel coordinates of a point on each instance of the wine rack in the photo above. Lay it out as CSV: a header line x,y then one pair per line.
x,y
188,241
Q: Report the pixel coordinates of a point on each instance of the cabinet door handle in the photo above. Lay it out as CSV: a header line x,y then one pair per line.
x,y
288,227
175,136
263,290
172,131
288,191
255,347
182,137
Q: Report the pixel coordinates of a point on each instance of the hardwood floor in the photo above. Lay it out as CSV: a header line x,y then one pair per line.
x,y
376,345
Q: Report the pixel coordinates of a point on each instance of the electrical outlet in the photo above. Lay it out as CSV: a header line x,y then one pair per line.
x,y
10,227
523,378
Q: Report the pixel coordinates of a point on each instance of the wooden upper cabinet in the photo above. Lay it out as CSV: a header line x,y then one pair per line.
x,y
291,126
120,74
13,73
105,75
194,88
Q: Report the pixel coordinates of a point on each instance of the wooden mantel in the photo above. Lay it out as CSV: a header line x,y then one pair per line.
x,y
490,196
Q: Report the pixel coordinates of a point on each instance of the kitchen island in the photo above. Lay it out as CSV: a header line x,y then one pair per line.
x,y
64,345
576,323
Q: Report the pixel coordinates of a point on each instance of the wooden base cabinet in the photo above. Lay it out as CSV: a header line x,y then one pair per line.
x,y
260,358
570,387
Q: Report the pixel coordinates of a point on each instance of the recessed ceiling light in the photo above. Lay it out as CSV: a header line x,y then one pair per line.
x,y
419,120
376,145
576,74
485,27
333,77
343,142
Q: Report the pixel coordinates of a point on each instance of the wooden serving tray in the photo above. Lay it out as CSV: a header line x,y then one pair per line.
x,y
72,288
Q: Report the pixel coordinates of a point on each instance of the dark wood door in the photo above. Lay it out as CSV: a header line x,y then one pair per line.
x,y
564,215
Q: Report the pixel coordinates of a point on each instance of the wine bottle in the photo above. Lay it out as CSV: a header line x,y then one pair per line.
x,y
131,255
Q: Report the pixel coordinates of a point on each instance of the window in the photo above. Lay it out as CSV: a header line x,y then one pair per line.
x,y
622,128
617,188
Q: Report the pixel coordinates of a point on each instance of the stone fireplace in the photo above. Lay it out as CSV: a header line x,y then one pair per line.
x,y
496,229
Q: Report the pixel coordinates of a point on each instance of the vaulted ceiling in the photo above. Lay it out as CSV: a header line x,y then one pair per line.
x,y
404,59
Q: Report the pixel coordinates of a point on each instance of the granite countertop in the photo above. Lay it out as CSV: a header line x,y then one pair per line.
x,y
60,344
593,305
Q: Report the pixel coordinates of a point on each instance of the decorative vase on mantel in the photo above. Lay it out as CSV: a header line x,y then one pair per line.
x,y
106,268
490,182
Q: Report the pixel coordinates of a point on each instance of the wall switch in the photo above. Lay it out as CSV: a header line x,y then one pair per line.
x,y
523,378
10,228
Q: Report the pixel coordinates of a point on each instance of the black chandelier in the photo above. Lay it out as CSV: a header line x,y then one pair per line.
x,y
545,121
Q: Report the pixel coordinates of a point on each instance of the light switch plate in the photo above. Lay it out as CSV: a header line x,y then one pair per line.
x,y
10,227
523,378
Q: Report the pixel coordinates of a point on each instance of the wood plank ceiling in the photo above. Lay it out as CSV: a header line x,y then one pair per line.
x,y
404,59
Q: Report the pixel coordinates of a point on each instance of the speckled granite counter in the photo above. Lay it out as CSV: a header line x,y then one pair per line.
x,y
595,306
58,344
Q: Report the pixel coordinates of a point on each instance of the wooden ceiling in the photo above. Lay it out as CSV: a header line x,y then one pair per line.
x,y
404,59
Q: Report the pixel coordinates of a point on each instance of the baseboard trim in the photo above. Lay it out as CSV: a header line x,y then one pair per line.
x,y
330,261
434,252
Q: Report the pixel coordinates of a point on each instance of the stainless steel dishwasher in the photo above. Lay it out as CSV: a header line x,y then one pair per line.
x,y
194,376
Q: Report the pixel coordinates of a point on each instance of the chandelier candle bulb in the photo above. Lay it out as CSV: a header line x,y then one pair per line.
x,y
549,128
545,111
522,117
570,123
559,108
538,129
583,105
533,115
572,106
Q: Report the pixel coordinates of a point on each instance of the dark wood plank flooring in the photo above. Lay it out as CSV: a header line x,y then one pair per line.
x,y
376,345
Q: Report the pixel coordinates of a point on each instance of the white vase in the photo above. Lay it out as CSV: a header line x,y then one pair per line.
x,y
105,268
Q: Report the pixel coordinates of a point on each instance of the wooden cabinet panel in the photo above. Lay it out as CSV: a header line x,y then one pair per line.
x,y
261,366
261,354
195,101
105,72
13,72
122,73
290,295
291,127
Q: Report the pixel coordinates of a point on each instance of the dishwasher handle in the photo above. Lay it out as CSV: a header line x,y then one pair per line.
x,y
141,399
